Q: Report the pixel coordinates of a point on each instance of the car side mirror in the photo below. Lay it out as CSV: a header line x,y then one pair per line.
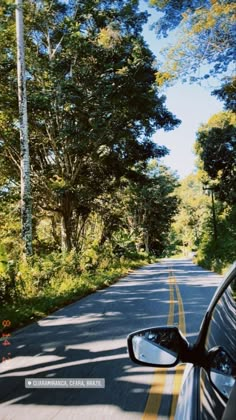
x,y
222,371
160,346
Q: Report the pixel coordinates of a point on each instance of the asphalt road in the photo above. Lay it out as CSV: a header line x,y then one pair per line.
x,y
88,340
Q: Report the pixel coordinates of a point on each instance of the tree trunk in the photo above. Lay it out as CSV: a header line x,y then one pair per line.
x,y
138,246
66,244
26,211
146,241
54,230
66,221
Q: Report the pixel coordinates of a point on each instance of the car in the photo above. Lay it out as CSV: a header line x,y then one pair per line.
x,y
208,388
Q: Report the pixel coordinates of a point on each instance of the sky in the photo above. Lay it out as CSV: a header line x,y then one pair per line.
x,y
192,104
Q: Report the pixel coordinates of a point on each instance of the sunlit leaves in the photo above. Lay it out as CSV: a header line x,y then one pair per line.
x,y
150,206
109,37
93,103
216,148
206,36
188,225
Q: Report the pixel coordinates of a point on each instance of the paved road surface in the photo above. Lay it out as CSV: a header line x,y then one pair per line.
x,y
88,340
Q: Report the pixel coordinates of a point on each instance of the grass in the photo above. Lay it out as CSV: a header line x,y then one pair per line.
x,y
29,309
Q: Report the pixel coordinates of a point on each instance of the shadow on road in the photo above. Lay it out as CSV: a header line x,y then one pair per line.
x,y
88,339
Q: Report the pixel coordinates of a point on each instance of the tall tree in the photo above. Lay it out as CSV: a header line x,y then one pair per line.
x,y
93,103
150,207
26,211
193,212
216,148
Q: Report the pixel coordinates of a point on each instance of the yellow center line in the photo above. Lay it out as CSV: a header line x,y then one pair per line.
x,y
180,369
176,388
182,325
155,395
172,302
156,390
159,379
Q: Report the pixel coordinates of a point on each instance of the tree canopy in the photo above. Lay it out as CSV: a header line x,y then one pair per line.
x,y
216,148
193,211
227,94
93,103
151,206
205,35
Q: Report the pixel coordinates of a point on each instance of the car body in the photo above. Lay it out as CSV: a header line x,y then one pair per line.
x,y
209,387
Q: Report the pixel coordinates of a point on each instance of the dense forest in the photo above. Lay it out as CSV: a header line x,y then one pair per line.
x,y
98,200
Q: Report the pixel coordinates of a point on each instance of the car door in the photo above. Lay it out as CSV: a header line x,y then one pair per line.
x,y
211,362
199,399
221,332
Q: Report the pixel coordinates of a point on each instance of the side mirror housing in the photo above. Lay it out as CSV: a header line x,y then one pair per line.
x,y
158,346
222,371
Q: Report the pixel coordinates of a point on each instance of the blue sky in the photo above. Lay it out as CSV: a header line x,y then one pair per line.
x,y
193,104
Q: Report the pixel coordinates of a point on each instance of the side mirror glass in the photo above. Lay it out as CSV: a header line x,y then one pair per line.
x,y
156,346
222,372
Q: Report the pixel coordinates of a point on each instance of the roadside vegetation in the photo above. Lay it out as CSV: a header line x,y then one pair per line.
x,y
205,225
134,233
200,231
101,201
203,48
33,289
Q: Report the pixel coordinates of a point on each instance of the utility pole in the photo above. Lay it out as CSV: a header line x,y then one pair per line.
x,y
26,211
211,189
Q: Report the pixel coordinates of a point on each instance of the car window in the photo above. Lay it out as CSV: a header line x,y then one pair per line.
x,y
222,327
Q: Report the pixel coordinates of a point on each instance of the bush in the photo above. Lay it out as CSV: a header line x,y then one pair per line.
x,y
220,254
42,285
8,291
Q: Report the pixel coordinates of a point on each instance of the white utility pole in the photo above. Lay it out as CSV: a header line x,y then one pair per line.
x,y
26,206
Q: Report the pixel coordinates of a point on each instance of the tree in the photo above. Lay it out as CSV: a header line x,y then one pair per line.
x,y
193,212
226,93
93,104
138,215
216,148
204,35
193,226
26,211
150,207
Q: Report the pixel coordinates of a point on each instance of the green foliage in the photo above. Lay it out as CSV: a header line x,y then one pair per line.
x,y
158,206
204,35
193,228
93,104
8,292
220,254
124,241
10,217
172,13
227,94
216,148
45,284
193,211
205,223
148,207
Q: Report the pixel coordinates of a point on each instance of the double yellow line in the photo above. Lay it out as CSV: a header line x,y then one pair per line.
x,y
156,390
179,369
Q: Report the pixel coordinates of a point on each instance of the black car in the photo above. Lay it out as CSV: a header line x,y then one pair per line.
x,y
209,383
